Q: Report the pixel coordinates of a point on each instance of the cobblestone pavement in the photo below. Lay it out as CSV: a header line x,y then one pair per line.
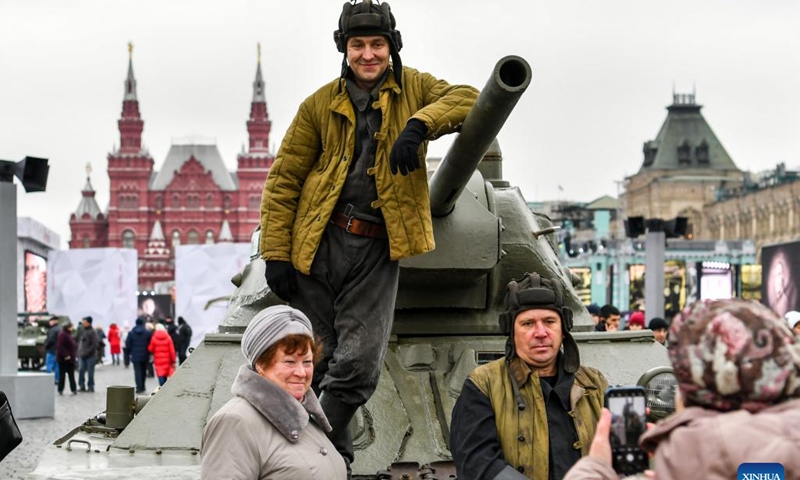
x,y
71,411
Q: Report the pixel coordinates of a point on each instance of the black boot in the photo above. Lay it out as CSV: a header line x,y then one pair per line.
x,y
339,415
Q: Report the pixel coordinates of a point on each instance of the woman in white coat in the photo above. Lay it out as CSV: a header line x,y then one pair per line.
x,y
273,427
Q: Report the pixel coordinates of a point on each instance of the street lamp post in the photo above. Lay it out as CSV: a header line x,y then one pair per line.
x,y
656,233
8,279
655,250
31,394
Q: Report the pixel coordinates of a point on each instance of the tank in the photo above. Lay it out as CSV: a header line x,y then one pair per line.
x,y
446,323
31,335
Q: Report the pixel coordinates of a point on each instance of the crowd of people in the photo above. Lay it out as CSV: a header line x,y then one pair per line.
x,y
608,318
154,348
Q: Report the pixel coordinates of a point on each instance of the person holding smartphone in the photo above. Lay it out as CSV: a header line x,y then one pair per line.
x,y
531,414
738,371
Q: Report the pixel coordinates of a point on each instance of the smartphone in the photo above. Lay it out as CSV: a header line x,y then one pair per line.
x,y
628,423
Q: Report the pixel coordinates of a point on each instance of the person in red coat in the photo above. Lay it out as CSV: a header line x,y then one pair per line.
x,y
163,354
114,343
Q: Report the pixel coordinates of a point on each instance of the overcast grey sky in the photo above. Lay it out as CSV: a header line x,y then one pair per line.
x,y
603,73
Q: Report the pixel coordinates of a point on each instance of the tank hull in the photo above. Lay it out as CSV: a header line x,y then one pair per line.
x,y
405,423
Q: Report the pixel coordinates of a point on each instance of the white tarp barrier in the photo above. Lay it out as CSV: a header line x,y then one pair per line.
x,y
96,282
202,274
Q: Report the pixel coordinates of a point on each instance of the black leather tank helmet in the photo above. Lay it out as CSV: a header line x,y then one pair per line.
x,y
364,19
533,291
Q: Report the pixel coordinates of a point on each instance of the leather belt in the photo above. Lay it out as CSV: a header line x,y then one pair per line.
x,y
362,228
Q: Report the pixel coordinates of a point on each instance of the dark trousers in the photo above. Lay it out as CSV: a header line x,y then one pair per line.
x,y
181,355
140,374
349,298
86,369
64,369
126,357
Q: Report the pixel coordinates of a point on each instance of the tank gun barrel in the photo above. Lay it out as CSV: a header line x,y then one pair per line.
x,y
509,79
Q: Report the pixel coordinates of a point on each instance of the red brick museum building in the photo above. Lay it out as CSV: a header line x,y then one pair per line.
x,y
191,199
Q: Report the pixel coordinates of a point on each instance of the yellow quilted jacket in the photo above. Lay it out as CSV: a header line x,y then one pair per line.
x,y
306,179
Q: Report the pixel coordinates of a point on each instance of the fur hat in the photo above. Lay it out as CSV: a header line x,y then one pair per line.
x,y
732,354
269,326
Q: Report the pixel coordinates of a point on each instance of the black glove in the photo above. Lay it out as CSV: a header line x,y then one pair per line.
x,y
405,152
281,279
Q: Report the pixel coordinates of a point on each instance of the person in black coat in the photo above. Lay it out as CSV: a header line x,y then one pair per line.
x,y
66,356
137,342
173,332
184,339
101,344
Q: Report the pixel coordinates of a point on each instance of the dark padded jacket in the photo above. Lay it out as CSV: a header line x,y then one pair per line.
x,y
52,339
137,342
66,349
88,343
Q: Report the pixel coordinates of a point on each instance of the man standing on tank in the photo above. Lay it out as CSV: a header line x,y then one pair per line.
x,y
347,198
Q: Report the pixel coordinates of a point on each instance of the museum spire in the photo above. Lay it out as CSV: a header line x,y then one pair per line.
x,y
225,234
258,84
130,123
130,82
158,232
259,124
88,208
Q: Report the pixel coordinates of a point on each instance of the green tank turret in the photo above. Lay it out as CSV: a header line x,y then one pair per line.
x,y
508,81
446,323
31,335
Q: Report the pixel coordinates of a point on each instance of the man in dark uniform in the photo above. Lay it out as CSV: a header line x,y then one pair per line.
x,y
336,217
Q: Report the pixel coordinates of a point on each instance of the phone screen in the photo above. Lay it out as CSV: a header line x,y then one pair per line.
x,y
628,423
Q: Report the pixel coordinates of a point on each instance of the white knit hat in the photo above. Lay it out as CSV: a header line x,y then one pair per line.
x,y
269,326
792,318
